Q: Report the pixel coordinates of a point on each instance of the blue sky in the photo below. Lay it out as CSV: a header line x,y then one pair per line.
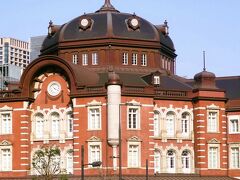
x,y
195,25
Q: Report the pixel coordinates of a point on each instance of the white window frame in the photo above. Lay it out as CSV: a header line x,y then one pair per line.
x,y
212,127
125,58
69,162
213,163
6,146
156,80
171,161
157,161
55,133
185,124
94,58
186,161
144,59
6,127
136,161
234,128
75,59
170,126
156,123
134,59
90,150
39,126
91,119
84,59
234,161
70,124
131,119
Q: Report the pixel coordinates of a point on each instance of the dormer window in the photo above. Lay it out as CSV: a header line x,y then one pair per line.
x,y
156,80
144,60
134,59
125,58
94,58
75,58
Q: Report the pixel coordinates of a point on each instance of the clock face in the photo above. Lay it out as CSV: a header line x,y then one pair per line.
x,y
84,22
54,88
134,22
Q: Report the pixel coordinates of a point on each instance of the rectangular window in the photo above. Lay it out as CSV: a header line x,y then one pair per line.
x,y
6,123
133,156
213,158
156,80
133,118
235,158
144,60
84,59
75,58
6,159
69,163
94,59
125,59
156,124
70,125
212,121
234,126
94,119
94,153
134,59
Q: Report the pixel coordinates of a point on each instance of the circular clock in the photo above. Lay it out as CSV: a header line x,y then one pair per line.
x,y
54,88
84,22
134,22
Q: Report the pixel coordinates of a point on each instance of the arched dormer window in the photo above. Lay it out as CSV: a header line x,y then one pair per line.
x,y
170,124
55,122
39,125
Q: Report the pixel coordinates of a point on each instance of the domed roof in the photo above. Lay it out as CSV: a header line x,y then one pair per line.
x,y
106,23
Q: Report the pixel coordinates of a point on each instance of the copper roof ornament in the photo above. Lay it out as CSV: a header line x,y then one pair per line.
x,y
107,7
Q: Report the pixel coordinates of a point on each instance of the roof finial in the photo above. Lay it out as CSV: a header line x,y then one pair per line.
x,y
204,61
107,7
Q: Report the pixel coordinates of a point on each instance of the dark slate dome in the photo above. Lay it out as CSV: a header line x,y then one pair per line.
x,y
106,23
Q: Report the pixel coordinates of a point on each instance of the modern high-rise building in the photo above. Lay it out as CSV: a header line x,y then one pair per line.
x,y
35,46
14,58
15,52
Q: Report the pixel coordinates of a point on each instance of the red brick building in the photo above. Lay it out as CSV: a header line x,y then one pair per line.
x,y
106,71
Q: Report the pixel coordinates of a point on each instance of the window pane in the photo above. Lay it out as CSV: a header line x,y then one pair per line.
x,y
6,123
133,118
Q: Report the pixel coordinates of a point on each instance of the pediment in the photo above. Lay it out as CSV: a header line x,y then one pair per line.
x,y
134,139
5,143
94,103
214,141
6,108
94,139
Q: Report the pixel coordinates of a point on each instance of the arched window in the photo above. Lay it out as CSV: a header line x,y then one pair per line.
x,y
69,125
55,119
185,124
186,160
171,161
157,162
39,126
170,124
156,120
69,162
